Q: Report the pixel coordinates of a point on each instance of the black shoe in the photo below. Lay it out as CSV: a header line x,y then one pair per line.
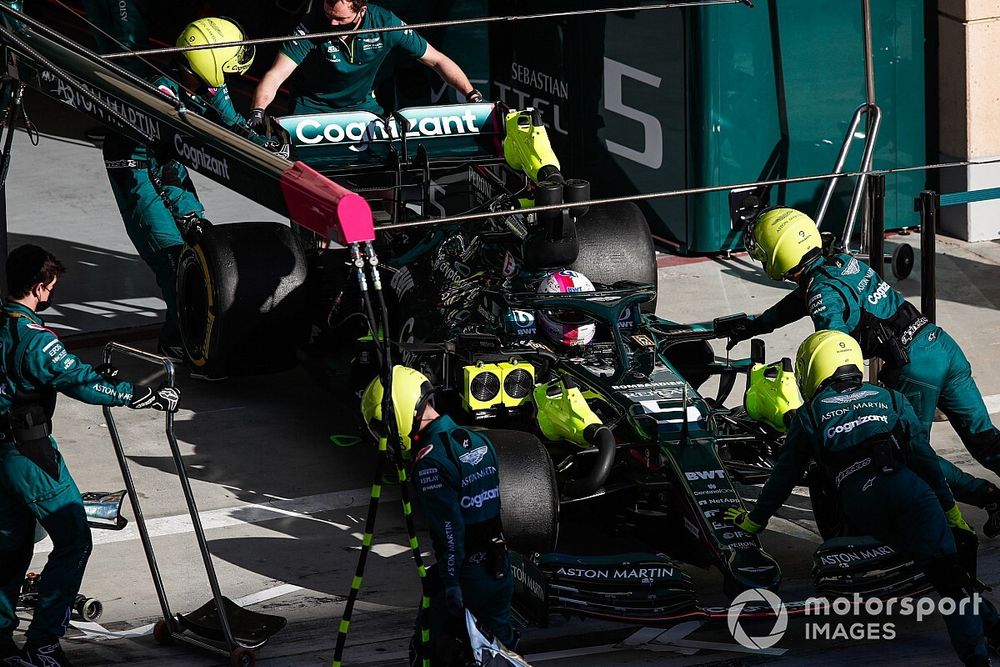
x,y
46,655
11,655
174,353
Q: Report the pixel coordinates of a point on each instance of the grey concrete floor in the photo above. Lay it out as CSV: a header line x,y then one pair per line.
x,y
284,506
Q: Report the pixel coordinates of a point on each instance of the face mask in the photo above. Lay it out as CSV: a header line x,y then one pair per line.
x,y
44,305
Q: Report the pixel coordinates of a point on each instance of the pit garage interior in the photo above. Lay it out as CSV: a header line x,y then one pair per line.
x,y
648,100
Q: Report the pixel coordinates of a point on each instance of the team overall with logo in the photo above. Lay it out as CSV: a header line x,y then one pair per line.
x,y
457,475
921,360
875,452
338,73
34,482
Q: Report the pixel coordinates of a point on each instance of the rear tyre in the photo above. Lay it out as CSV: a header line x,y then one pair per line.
x,y
528,495
241,299
615,244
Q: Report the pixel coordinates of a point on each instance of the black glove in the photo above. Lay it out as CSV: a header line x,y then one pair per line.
x,y
474,96
163,398
257,121
107,371
192,227
745,330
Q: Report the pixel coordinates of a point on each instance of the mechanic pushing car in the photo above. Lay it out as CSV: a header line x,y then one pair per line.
x,y
35,484
921,360
156,197
458,478
337,74
875,452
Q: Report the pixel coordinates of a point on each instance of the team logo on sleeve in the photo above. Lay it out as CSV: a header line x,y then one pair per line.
x,y
850,398
473,457
854,266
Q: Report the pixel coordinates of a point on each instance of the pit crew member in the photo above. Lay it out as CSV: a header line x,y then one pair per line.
x,y
35,484
337,74
922,361
458,478
875,452
156,197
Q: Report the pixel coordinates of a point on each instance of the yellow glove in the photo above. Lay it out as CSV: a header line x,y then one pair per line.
x,y
956,520
739,518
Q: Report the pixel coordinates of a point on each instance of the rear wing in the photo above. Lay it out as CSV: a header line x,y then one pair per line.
x,y
58,67
351,139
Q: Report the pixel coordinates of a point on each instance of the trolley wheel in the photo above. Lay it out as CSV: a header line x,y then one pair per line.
x,y
162,634
243,657
89,609
902,261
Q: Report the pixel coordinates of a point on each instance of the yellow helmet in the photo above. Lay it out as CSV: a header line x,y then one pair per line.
x,y
211,65
411,390
827,354
782,239
772,394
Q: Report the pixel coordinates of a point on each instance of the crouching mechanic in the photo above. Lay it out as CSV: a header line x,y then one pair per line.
x,y
34,482
921,360
156,196
875,452
458,478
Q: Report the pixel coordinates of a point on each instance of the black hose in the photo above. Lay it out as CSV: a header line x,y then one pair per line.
x,y
602,438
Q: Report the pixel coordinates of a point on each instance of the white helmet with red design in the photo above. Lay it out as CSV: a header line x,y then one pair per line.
x,y
567,327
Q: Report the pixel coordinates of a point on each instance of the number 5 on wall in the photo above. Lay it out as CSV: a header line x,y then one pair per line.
x,y
651,154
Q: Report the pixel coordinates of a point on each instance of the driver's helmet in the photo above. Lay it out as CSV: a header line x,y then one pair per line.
x,y
411,391
826,356
567,327
782,240
212,65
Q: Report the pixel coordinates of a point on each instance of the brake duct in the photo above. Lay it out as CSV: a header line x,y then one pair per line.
x,y
563,414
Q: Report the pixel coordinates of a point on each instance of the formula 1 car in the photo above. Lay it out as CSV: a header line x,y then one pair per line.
x,y
633,442
611,436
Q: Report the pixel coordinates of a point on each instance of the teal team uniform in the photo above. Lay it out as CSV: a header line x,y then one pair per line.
x,y
153,195
457,475
120,25
34,482
337,74
874,450
842,293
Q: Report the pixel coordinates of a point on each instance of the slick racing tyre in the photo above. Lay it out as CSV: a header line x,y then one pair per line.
x,y
241,299
529,500
615,244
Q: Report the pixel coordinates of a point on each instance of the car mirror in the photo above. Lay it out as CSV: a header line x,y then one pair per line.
x,y
745,204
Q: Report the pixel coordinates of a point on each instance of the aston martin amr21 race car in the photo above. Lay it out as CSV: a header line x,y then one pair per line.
x,y
537,326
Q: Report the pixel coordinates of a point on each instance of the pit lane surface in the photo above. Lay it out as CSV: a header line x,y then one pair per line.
x,y
285,506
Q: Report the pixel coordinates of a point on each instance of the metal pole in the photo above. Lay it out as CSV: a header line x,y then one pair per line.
x,y
876,245
929,206
866,20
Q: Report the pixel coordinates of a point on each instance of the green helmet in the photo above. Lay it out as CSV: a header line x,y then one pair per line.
x,y
211,65
411,390
772,395
827,355
782,239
